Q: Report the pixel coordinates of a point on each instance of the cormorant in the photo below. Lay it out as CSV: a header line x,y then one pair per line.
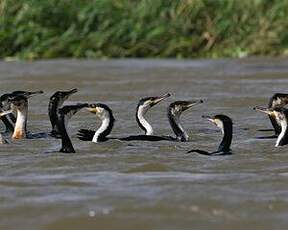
x,y
65,114
56,101
281,116
226,126
20,104
277,100
10,120
174,112
105,114
142,108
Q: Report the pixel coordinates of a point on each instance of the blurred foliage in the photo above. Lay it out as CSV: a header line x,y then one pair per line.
x,y
32,29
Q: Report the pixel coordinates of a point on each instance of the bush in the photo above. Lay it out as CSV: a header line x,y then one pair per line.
x,y
32,29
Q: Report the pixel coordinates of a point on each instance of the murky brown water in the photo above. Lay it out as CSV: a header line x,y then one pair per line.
x,y
116,185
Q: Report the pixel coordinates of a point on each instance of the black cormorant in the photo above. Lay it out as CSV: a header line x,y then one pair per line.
x,y
226,126
65,114
56,101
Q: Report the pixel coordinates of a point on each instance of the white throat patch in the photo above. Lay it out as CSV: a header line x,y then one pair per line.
x,y
142,110
105,118
283,131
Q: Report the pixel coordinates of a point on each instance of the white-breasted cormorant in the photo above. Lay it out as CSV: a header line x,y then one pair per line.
x,y
143,107
277,100
9,121
20,104
281,116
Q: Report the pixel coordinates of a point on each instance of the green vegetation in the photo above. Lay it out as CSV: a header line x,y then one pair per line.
x,y
33,29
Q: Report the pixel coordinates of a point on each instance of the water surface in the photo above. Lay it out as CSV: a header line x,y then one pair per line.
x,y
119,185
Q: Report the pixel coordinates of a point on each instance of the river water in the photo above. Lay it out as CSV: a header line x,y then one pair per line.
x,y
142,185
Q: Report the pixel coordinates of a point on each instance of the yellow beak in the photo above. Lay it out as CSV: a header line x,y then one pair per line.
x,y
160,98
264,110
93,110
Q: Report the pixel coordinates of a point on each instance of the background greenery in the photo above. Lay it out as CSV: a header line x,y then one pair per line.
x,y
34,29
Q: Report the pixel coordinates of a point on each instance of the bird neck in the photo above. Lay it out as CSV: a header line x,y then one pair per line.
x,y
177,128
104,130
67,146
52,111
283,136
227,131
276,125
21,123
53,116
142,122
7,106
8,124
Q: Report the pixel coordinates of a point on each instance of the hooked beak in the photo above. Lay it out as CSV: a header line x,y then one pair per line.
x,y
70,92
192,103
30,94
156,100
93,109
6,112
263,110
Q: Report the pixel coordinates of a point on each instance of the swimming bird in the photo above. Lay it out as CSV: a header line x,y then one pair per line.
x,y
226,126
20,104
174,112
56,101
65,114
105,114
277,100
143,107
10,120
281,116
